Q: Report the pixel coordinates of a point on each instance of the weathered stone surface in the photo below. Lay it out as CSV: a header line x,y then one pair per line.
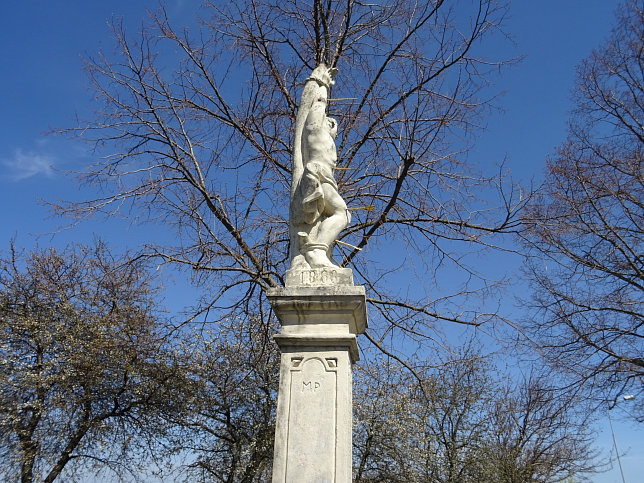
x,y
320,309
312,277
313,434
317,212
323,310
314,409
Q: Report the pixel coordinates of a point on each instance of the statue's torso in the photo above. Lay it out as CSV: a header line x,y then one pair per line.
x,y
318,145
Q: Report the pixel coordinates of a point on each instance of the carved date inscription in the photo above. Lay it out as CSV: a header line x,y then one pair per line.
x,y
319,277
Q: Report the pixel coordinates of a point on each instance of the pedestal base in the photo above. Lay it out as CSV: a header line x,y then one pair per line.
x,y
313,433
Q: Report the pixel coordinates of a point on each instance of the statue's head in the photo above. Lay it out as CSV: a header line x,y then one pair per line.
x,y
333,127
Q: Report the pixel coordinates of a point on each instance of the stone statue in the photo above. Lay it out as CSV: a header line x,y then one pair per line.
x,y
317,212
320,309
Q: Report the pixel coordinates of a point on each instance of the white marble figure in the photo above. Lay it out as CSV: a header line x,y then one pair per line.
x,y
317,212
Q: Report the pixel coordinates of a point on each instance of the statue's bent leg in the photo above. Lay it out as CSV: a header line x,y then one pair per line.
x,y
336,216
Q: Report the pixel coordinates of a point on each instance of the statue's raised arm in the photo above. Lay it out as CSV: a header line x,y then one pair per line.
x,y
317,213
320,77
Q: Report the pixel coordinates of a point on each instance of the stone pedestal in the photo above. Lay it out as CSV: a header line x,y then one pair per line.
x,y
321,312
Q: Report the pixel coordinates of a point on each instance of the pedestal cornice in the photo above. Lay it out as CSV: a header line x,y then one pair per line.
x,y
341,308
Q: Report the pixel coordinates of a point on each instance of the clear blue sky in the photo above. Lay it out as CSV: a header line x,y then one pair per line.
x,y
42,41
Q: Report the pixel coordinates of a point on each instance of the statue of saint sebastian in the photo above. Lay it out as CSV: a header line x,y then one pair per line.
x,y
318,213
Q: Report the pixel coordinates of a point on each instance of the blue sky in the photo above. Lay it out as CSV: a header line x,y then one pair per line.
x,y
43,85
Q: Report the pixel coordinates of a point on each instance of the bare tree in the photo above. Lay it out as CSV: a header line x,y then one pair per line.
x,y
222,418
451,409
538,434
461,422
384,433
78,377
196,131
586,228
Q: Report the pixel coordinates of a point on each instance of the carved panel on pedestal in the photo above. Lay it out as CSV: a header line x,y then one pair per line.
x,y
313,411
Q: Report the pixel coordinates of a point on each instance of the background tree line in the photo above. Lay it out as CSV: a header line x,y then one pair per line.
x,y
92,382
94,374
